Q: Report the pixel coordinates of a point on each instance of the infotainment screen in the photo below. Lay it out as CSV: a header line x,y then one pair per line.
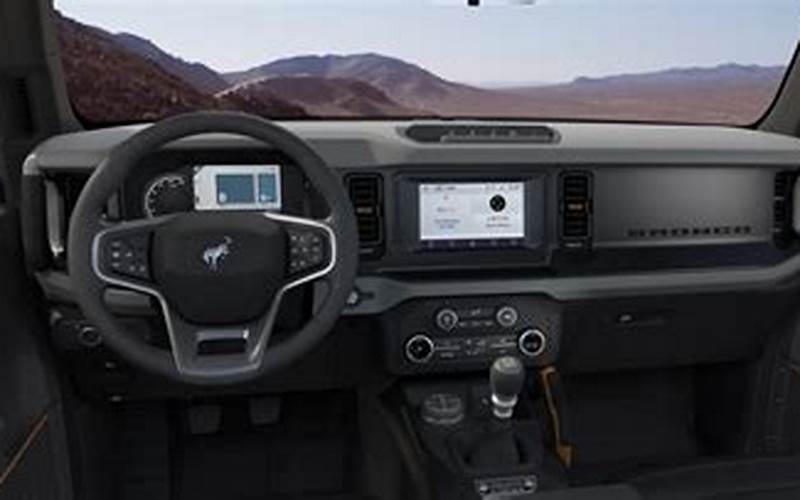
x,y
471,211
237,187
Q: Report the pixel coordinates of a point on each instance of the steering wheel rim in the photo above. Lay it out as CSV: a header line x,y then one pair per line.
x,y
87,225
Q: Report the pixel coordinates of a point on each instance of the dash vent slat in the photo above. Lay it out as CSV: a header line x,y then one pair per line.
x,y
366,195
576,210
783,209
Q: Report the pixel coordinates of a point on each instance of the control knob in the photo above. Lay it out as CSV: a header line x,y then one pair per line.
x,y
532,342
419,349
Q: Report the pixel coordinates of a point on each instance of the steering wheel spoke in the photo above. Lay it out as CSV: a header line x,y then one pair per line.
x,y
218,350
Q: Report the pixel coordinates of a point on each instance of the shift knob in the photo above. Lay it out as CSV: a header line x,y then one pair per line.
x,y
506,377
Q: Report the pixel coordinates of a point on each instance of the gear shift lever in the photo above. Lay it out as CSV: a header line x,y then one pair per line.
x,y
506,377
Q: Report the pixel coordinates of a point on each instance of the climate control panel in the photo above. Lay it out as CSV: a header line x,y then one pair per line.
x,y
468,333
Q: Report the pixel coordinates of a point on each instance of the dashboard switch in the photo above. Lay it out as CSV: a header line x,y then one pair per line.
x,y
447,319
507,316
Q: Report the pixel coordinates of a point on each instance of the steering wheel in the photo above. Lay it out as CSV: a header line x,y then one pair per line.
x,y
219,277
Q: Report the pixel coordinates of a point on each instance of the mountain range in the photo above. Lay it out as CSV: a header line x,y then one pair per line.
x,y
326,96
124,77
408,84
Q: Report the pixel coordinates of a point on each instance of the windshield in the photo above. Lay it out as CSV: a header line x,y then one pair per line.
x,y
691,61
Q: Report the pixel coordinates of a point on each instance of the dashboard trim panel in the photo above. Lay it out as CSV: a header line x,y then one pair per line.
x,y
379,294
355,144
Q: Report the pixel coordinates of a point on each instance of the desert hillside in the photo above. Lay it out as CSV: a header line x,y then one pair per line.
x,y
108,83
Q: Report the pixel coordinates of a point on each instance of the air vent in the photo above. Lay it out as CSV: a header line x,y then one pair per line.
x,y
783,207
366,194
535,134
576,210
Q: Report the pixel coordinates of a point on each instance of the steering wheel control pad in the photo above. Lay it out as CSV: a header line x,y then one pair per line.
x,y
126,255
308,249
219,268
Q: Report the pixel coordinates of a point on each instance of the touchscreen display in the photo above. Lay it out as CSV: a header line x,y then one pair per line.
x,y
237,187
472,211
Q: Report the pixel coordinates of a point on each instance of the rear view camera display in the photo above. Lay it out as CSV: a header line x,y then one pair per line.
x,y
237,187
472,211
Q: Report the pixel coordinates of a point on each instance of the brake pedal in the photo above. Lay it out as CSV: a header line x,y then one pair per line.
x,y
204,419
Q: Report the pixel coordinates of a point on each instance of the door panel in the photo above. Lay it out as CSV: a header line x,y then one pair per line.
x,y
33,461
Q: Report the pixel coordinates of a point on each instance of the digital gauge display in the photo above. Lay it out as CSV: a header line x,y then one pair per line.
x,y
237,187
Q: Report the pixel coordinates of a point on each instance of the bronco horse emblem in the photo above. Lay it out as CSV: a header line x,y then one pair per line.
x,y
213,256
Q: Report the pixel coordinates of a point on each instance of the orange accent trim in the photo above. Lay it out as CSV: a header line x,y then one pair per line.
x,y
17,457
563,451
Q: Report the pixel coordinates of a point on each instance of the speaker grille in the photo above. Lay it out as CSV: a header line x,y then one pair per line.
x,y
538,134
688,232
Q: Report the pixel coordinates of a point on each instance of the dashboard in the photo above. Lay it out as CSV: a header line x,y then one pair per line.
x,y
599,201
578,238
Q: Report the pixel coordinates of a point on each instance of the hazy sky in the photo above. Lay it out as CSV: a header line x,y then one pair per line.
x,y
553,40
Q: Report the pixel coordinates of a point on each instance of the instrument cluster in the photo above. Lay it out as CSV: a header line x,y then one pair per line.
x,y
213,187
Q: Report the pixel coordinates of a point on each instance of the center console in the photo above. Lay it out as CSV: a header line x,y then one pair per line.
x,y
482,438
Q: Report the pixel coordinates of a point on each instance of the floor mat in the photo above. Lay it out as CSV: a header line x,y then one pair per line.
x,y
310,453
